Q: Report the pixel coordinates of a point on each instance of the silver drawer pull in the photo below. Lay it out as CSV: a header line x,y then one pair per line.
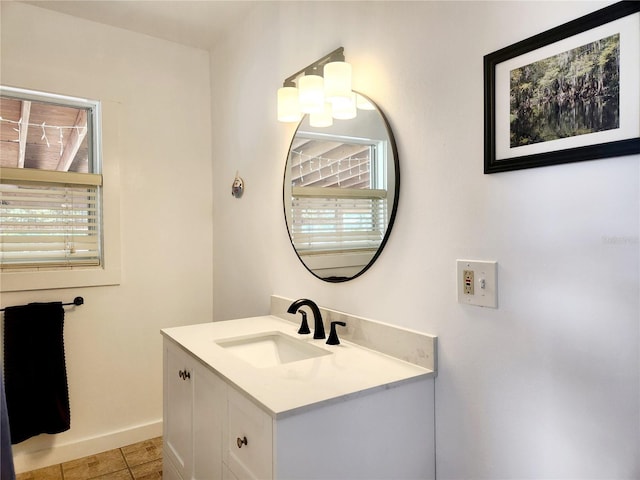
x,y
241,441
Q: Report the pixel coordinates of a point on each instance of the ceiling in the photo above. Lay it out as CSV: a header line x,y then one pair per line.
x,y
197,23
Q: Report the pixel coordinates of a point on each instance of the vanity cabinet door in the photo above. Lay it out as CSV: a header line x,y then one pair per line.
x,y
194,408
209,409
178,410
249,440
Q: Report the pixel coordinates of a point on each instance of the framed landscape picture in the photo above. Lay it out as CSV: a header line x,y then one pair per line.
x,y
569,94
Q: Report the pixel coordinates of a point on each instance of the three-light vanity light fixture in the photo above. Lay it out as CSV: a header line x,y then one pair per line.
x,y
322,90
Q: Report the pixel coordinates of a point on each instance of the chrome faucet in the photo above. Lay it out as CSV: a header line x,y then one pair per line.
x,y
318,329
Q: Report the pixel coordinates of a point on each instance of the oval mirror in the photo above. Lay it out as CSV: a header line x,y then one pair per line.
x,y
340,192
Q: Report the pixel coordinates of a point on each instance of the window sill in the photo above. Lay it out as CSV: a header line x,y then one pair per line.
x,y
52,279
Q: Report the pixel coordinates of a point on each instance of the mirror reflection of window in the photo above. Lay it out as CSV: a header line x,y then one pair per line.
x,y
339,197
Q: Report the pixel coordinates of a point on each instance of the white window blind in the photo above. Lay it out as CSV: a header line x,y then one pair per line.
x,y
337,219
49,218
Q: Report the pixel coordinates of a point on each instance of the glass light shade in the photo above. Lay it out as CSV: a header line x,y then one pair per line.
x,y
344,109
311,93
337,80
323,119
288,106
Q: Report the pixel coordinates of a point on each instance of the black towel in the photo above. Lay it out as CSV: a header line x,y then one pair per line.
x,y
7,471
35,376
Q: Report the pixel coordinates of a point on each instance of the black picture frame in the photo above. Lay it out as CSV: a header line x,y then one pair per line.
x,y
553,156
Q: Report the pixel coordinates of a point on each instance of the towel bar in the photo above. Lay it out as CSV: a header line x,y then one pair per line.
x,y
76,301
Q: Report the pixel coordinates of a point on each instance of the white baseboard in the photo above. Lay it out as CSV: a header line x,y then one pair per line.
x,y
25,461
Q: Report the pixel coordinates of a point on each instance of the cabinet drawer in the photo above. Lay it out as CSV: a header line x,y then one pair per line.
x,y
249,448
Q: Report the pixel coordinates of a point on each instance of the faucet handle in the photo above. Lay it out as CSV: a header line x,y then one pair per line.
x,y
304,327
333,335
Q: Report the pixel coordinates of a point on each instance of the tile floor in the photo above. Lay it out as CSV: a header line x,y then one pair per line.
x,y
140,461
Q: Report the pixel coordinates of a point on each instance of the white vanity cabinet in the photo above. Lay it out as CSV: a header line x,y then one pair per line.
x,y
212,430
194,408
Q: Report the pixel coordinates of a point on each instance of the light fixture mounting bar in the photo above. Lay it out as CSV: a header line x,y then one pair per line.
x,y
316,67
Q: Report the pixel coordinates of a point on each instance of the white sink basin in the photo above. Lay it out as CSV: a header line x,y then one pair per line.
x,y
270,349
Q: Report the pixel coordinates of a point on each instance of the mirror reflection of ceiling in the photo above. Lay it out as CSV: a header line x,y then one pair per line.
x,y
321,163
43,136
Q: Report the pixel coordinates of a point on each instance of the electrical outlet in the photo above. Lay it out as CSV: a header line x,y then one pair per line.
x,y
477,283
467,278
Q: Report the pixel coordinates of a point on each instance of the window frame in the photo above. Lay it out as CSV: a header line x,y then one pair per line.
x,y
108,272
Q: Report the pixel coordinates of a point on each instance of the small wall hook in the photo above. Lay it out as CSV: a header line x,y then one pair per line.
x,y
237,188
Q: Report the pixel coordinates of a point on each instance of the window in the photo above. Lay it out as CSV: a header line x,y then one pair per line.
x,y
50,182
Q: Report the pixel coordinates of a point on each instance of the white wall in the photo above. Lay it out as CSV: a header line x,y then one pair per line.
x,y
113,344
546,386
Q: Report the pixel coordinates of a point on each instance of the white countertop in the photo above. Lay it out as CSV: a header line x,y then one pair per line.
x,y
292,387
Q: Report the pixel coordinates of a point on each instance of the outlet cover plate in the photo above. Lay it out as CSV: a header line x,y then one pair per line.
x,y
485,282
